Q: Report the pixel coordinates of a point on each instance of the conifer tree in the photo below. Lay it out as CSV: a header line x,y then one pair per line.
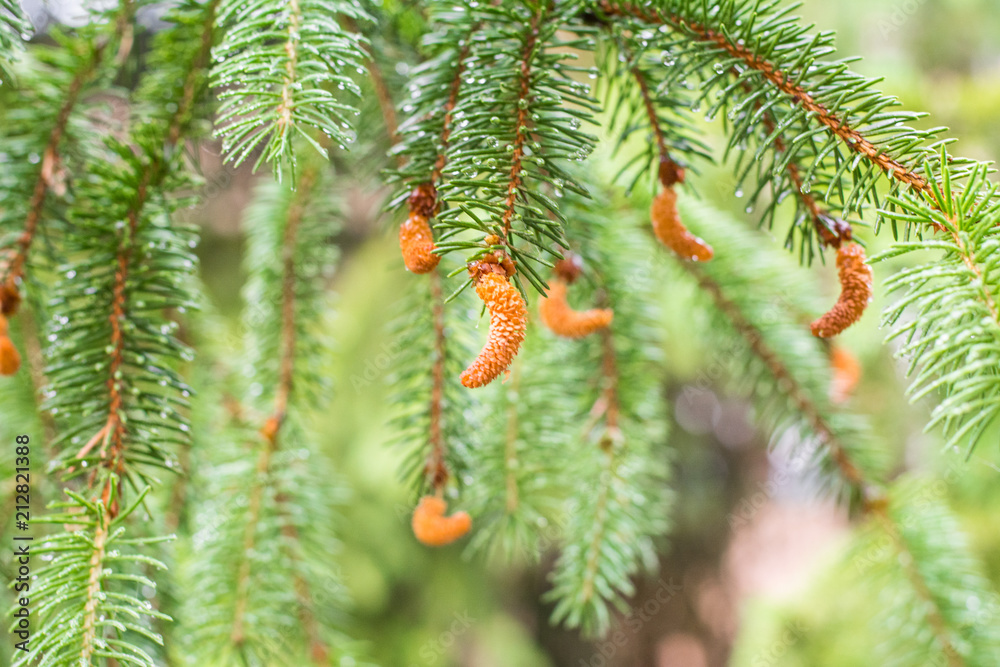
x,y
192,506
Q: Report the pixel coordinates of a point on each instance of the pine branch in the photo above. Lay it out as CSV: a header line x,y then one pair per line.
x,y
619,499
86,573
956,290
274,67
13,24
853,466
516,122
84,71
249,613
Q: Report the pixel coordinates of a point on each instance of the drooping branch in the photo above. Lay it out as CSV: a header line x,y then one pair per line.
x,y
831,231
872,495
14,269
780,371
112,437
449,109
282,393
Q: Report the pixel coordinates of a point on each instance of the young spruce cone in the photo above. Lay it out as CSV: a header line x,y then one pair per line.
x,y
416,241
433,528
10,359
855,292
846,371
508,322
671,231
562,320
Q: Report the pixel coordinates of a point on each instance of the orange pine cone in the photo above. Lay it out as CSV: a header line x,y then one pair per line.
x,y
417,244
508,322
846,374
433,528
270,428
558,316
10,298
671,231
10,359
855,292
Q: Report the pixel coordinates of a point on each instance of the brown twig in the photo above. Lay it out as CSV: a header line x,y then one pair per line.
x,y
669,171
437,467
609,369
521,123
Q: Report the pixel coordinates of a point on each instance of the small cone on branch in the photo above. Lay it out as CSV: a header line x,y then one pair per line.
x,y
846,373
416,242
508,323
10,298
671,231
855,292
433,528
562,320
10,358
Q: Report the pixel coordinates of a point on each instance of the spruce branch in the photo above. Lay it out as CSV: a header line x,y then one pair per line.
x,y
13,25
250,613
641,96
829,230
146,174
782,78
782,376
733,35
436,467
435,418
130,263
619,499
518,117
385,102
957,288
49,172
282,391
841,440
424,136
86,591
274,67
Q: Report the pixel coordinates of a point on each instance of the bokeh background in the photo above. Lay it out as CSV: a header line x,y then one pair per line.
x,y
747,577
